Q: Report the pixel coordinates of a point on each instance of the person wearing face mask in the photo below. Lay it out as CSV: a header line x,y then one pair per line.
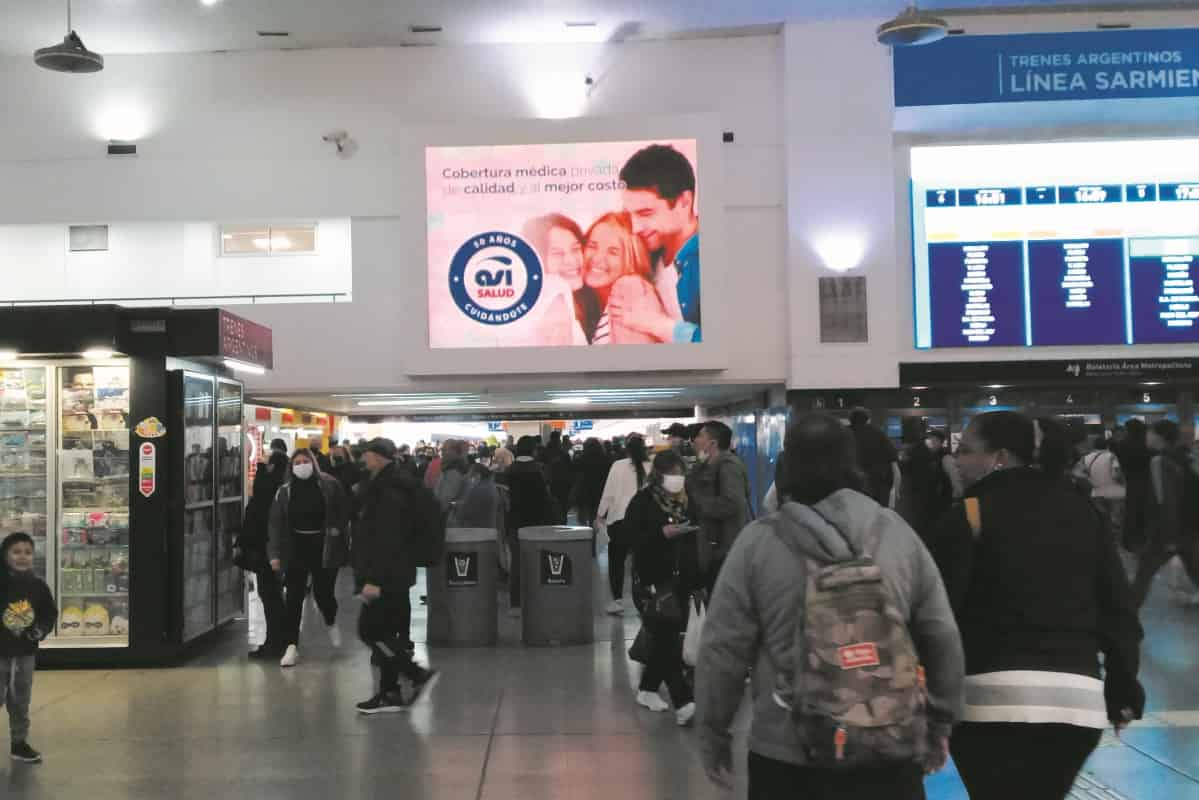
x,y
719,490
667,563
308,539
250,552
1038,592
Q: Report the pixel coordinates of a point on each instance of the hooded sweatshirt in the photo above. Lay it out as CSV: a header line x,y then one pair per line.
x,y
27,612
752,620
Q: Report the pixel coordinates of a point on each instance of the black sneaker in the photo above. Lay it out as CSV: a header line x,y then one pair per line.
x,y
21,751
386,703
269,653
419,687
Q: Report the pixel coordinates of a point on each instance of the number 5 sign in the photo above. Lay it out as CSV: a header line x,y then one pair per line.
x,y
147,469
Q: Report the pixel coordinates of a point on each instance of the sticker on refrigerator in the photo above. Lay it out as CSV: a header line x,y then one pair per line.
x,y
151,428
147,469
462,569
556,569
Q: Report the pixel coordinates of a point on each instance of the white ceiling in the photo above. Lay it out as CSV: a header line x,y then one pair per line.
x,y
168,26
587,397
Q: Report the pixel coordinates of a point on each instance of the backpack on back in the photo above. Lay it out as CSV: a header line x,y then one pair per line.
x,y
857,694
427,531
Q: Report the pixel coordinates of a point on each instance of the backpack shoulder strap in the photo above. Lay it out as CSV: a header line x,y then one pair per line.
x,y
974,516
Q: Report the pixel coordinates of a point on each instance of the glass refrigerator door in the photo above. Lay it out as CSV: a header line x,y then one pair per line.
x,y
93,479
198,514
230,502
24,473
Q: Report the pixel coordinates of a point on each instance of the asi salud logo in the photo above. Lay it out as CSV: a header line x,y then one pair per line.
x,y
496,278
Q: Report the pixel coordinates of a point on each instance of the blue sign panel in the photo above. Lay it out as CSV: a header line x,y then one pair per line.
x,y
1084,65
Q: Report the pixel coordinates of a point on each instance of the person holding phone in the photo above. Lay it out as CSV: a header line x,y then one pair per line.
x,y
667,562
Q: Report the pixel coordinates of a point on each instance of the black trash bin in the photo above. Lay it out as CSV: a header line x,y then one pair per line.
x,y
556,585
462,590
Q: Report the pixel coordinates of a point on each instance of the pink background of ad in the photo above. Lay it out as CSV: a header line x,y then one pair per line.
x,y
455,219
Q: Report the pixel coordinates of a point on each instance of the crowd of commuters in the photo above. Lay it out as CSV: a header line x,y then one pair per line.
x,y
892,605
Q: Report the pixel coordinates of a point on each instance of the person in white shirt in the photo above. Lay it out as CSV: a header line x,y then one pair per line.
x,y
625,478
1101,469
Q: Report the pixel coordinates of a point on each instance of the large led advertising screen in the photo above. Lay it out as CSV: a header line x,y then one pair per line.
x,y
1065,243
588,244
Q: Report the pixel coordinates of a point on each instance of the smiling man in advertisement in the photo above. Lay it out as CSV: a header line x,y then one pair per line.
x,y
563,245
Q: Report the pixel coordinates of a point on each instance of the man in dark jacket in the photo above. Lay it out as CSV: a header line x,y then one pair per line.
x,y
877,457
719,491
1169,518
532,505
384,568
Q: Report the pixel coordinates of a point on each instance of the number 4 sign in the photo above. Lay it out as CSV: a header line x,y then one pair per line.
x,y
147,469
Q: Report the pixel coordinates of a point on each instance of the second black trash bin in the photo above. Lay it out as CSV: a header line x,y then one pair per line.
x,y
556,585
462,590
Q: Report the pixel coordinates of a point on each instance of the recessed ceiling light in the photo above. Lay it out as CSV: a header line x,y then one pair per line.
x,y
209,2
242,366
571,401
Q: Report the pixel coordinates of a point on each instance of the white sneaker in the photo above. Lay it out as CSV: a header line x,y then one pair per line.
x,y
652,701
290,656
616,608
684,715
335,636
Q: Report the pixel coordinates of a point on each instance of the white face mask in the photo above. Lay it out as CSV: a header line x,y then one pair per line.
x,y
302,471
674,484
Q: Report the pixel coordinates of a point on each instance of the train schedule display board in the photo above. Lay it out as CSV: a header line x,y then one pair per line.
x,y
1056,244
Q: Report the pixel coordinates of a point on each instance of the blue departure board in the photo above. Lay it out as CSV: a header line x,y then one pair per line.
x,y
1056,244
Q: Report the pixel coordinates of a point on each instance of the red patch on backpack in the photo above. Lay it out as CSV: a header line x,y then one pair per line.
x,y
858,656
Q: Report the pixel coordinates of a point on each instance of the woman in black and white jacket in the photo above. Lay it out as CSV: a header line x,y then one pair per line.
x,y
1039,593
308,538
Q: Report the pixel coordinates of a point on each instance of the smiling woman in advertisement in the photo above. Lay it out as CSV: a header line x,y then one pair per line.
x,y
559,242
618,271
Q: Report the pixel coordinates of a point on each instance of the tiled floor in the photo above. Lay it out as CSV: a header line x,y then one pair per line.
x,y
502,724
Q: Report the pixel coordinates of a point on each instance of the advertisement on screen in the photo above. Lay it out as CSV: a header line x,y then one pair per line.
x,y
563,245
1056,244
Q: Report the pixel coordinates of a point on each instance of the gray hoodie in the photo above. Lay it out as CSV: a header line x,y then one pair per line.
x,y
752,623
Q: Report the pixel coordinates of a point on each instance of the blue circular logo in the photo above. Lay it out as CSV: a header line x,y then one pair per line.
x,y
495,278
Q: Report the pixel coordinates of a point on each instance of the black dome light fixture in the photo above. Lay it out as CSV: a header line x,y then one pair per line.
x,y
912,27
69,56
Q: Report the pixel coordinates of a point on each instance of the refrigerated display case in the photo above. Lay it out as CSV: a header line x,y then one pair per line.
x,y
199,512
230,591
24,469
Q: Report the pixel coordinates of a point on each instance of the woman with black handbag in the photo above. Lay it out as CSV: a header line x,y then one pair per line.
x,y
250,551
667,563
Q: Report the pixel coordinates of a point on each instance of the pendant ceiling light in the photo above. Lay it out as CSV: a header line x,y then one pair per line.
x,y
69,56
912,27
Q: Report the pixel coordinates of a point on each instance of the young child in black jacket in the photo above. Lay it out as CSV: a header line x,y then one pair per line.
x,y
29,615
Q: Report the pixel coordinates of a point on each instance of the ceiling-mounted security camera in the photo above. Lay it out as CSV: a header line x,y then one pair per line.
x,y
912,27
346,146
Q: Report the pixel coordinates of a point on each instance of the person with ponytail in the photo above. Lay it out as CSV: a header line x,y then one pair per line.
x,y
626,477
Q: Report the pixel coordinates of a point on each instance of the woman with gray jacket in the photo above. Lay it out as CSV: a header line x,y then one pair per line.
x,y
754,618
308,538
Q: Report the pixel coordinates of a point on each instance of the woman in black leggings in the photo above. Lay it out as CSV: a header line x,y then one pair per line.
x,y
667,563
307,539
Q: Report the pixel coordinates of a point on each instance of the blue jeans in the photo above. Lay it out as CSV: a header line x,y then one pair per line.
x,y
16,692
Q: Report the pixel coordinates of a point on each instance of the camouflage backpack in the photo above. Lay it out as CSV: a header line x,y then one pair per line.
x,y
856,690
